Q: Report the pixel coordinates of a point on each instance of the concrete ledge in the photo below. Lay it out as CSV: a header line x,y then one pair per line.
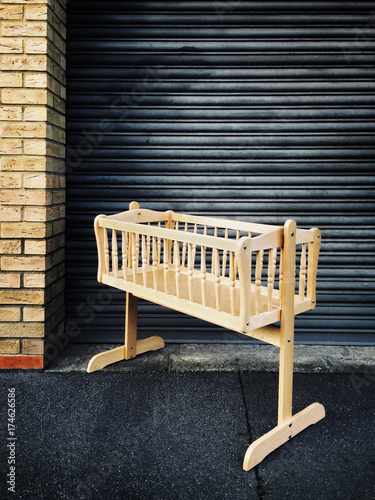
x,y
224,358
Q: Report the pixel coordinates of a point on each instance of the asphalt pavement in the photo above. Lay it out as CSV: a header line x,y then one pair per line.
x,y
183,435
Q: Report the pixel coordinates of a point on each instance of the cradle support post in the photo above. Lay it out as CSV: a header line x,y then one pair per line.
x,y
288,425
130,345
287,322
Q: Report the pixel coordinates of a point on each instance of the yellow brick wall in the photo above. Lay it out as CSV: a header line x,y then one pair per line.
x,y
32,151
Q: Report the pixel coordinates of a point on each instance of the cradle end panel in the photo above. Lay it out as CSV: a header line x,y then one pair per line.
x,y
102,245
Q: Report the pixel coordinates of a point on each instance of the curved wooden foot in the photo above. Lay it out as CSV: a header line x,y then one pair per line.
x,y
263,446
118,354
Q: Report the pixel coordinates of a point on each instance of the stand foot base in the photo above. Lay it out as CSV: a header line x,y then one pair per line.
x,y
118,354
266,444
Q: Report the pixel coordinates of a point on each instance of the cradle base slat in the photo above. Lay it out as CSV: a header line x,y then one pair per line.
x,y
118,354
282,433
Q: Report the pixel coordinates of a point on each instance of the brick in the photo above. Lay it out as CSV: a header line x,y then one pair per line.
x,y
25,197
59,226
9,280
24,63
55,165
36,12
24,96
10,80
11,12
50,2
53,117
30,346
59,8
36,46
55,134
24,29
21,362
23,163
36,247
11,46
21,329
41,213
10,247
58,104
59,74
17,297
10,347
10,112
34,280
11,147
16,129
59,43
53,149
35,214
21,263
57,257
9,180
58,196
35,147
10,214
58,287
34,313
35,113
37,80
37,180
25,230
10,313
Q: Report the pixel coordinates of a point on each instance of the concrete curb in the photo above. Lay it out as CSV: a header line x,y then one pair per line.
x,y
224,358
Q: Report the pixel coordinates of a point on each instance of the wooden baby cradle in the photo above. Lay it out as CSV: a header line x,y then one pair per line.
x,y
234,274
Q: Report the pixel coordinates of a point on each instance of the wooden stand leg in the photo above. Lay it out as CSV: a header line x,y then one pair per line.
x,y
279,435
132,346
288,425
130,326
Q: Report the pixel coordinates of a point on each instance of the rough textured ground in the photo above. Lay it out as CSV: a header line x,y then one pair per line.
x,y
120,435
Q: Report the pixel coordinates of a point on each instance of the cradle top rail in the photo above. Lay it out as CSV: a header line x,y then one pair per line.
x,y
233,277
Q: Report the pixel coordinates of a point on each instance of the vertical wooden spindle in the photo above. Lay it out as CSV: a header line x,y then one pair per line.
x,y
183,260
258,279
190,271
213,254
159,245
194,245
272,255
124,248
137,250
302,273
144,260
281,274
106,251
217,278
148,247
232,278
238,233
176,259
155,261
134,256
203,274
225,254
166,265
114,253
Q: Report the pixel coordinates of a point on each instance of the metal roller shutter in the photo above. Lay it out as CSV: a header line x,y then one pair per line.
x,y
260,111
